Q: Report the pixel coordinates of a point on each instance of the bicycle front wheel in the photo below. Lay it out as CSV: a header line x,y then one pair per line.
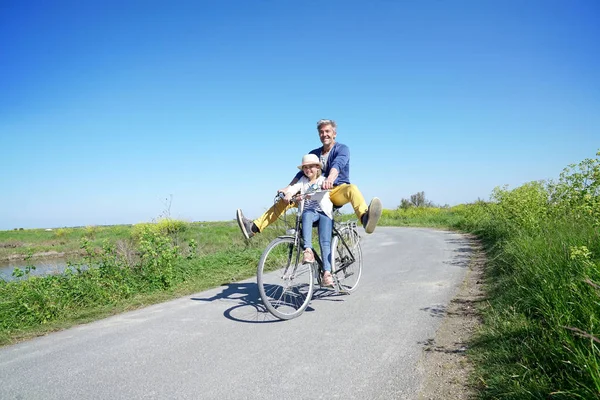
x,y
284,283
347,259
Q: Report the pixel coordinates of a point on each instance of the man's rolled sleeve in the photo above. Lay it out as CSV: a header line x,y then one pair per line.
x,y
341,159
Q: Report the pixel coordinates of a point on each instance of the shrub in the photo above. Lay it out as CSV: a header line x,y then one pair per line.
x,y
91,231
158,257
577,191
62,232
523,207
163,226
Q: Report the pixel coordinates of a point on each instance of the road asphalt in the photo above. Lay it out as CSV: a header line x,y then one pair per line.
x,y
222,344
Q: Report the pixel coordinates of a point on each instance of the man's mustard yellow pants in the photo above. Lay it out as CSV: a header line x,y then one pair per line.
x,y
339,195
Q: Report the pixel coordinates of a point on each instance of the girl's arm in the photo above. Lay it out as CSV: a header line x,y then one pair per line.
x,y
291,190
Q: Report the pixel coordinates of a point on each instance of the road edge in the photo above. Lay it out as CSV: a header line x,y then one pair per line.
x,y
445,362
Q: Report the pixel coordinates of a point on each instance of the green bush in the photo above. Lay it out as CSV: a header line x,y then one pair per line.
x,y
523,208
62,232
577,192
163,226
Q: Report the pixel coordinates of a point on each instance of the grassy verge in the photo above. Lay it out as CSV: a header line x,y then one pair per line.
x,y
541,320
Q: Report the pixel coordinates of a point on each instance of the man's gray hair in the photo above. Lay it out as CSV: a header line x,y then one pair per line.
x,y
326,122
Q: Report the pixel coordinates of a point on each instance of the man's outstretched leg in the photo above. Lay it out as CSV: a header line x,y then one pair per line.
x,y
349,193
249,228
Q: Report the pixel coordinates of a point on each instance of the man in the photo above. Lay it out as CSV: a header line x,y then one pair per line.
x,y
335,158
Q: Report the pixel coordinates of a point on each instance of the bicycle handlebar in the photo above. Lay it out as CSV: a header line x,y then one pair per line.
x,y
300,196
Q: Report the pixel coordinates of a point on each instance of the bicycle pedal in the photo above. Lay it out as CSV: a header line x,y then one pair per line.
x,y
341,291
337,287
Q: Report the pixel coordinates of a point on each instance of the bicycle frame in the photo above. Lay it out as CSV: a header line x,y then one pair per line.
x,y
298,244
287,294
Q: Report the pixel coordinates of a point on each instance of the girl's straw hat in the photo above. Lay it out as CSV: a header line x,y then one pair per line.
x,y
310,159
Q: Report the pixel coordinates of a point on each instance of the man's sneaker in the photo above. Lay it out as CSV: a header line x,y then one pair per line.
x,y
371,217
245,224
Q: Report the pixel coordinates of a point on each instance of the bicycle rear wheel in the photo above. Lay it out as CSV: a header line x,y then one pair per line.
x,y
347,258
284,283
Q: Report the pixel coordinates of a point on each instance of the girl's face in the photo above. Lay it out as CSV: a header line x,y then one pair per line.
x,y
311,171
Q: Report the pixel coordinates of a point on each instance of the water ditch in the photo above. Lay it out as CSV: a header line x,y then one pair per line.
x,y
50,266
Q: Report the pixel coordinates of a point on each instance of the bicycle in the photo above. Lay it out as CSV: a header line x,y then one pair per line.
x,y
286,285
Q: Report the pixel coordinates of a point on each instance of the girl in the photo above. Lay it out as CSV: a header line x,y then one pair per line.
x,y
317,207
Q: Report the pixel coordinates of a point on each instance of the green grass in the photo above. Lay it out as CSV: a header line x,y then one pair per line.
x,y
210,236
22,243
538,299
432,217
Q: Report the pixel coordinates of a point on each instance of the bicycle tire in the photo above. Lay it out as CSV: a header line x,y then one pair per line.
x,y
285,284
348,273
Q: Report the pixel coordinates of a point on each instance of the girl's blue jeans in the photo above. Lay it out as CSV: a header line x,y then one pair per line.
x,y
325,230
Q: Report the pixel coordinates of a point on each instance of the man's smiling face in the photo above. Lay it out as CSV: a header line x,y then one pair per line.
x,y
327,134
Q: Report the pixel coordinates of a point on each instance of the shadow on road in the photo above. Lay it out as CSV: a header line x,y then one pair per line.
x,y
248,306
461,256
437,311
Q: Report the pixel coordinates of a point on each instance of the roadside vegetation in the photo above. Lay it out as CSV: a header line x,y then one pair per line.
x,y
119,268
541,333
540,336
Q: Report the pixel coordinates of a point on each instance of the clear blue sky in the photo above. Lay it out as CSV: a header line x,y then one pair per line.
x,y
109,107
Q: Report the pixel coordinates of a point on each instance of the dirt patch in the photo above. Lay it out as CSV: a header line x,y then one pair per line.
x,y
10,245
43,254
445,362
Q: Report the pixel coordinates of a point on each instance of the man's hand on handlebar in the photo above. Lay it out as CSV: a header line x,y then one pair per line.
x,y
327,184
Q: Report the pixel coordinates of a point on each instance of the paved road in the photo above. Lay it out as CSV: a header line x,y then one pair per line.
x,y
220,344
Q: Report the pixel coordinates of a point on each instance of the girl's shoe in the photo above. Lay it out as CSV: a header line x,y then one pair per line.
x,y
308,256
327,279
